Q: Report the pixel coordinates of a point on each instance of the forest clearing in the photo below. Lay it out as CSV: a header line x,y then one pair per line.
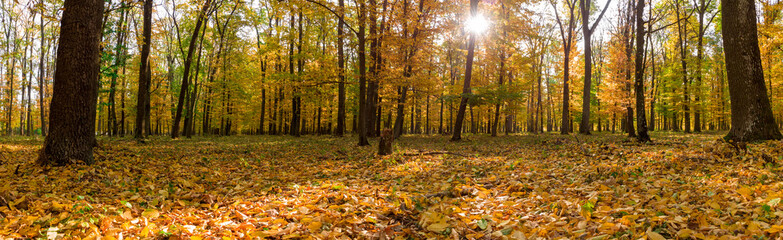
x,y
514,187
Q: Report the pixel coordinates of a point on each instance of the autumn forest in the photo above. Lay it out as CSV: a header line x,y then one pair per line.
x,y
391,119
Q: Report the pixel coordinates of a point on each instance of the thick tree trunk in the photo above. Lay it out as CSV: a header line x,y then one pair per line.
x,y
565,127
340,130
144,75
385,147
372,82
584,126
641,123
751,113
72,133
361,41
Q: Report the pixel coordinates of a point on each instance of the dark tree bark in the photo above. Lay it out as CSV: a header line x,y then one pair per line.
x,y
751,113
143,96
641,123
466,90
186,72
653,89
295,111
72,133
628,31
340,129
587,31
362,42
375,63
385,147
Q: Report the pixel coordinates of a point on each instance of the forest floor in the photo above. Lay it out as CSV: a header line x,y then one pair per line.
x,y
509,187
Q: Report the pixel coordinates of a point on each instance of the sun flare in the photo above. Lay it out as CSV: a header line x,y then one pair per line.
x,y
477,24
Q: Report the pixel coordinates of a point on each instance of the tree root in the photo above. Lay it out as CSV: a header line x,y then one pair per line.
x,y
422,153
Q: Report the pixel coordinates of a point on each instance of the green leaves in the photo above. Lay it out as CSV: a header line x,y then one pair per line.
x,y
483,224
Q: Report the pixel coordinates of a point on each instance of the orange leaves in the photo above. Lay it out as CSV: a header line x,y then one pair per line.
x,y
530,191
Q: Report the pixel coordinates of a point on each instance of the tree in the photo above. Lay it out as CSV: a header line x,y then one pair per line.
x,y
701,10
361,41
41,71
641,120
466,91
186,72
145,75
567,37
682,37
587,31
72,114
751,112
341,71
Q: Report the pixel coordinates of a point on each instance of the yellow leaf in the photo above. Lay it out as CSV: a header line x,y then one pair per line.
x,y
127,215
150,213
147,230
599,237
280,221
745,192
684,233
654,236
196,238
408,203
314,226
438,227
775,229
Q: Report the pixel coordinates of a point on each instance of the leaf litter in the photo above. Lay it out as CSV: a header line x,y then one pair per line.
x,y
513,187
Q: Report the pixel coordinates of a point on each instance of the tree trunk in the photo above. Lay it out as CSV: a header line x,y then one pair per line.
x,y
466,90
72,133
340,130
682,44
361,41
41,75
372,82
144,74
186,69
385,147
193,94
588,67
641,123
117,61
565,127
751,113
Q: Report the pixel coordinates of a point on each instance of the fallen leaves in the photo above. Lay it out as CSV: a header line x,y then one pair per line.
x,y
515,187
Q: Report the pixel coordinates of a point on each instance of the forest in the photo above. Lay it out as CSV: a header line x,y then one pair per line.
x,y
391,119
